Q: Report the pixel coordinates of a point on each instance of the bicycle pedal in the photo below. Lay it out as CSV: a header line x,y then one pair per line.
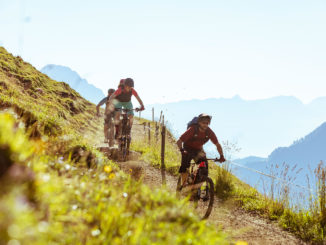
x,y
194,197
205,198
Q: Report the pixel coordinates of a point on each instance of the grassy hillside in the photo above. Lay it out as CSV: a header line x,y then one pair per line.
x,y
58,189
309,224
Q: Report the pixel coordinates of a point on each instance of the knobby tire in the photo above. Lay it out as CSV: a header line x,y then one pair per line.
x,y
206,206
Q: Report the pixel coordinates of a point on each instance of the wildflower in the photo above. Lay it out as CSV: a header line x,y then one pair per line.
x,y
130,170
46,177
107,169
111,176
96,232
241,243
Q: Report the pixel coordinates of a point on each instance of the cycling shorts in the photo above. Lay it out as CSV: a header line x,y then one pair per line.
x,y
126,105
186,159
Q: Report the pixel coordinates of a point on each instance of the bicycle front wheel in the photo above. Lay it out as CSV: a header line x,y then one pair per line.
x,y
204,199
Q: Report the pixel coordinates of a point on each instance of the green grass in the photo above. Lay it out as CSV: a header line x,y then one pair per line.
x,y
58,189
151,153
307,224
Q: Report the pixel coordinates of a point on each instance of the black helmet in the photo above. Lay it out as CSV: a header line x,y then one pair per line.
x,y
203,116
111,91
129,82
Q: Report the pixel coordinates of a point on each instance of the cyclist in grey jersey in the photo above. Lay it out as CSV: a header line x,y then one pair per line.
x,y
107,117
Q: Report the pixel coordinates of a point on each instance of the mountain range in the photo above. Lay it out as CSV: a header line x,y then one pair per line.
x,y
82,86
256,126
295,164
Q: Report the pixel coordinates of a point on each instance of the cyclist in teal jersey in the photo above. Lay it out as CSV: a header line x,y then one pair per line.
x,y
122,99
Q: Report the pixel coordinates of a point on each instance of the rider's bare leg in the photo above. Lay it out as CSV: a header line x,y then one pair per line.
x,y
117,122
106,131
184,177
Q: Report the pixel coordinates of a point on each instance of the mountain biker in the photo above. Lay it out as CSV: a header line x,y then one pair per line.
x,y
191,144
122,99
107,116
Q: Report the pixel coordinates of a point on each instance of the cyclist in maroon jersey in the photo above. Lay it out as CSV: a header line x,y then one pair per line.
x,y
191,144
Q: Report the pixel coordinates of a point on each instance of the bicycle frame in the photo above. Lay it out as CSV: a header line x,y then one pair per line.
x,y
124,128
203,198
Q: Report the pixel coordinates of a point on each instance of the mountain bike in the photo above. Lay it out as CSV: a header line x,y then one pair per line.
x,y
124,138
200,187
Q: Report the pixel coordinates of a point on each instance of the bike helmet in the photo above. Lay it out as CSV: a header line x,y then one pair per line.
x,y
129,82
203,116
111,91
121,83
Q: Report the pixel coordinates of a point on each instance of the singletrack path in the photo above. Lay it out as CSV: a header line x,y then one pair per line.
x,y
241,225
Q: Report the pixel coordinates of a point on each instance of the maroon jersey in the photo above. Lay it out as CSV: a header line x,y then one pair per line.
x,y
195,139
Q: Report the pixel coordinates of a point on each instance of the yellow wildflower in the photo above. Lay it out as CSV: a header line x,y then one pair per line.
x,y
241,243
111,176
107,169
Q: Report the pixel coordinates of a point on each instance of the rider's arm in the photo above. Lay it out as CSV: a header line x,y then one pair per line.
x,y
213,138
220,150
97,109
134,93
100,103
140,102
185,137
179,144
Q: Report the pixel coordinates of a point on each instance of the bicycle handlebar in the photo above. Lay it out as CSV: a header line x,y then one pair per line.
x,y
127,110
213,159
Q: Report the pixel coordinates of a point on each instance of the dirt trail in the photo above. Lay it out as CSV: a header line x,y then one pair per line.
x,y
235,221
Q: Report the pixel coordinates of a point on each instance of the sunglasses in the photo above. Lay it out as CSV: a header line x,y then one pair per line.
x,y
204,122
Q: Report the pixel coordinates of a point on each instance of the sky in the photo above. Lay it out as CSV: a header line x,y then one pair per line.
x,y
177,50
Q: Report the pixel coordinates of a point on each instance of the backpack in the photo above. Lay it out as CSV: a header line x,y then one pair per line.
x,y
194,123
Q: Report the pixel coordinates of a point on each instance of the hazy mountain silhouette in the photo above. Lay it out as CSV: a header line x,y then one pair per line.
x,y
302,158
308,150
258,126
82,86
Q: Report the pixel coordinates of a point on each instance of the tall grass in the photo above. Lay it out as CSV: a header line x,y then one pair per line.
x,y
223,181
308,223
275,203
151,151
320,205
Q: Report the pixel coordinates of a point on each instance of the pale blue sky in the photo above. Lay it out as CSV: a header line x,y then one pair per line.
x,y
177,50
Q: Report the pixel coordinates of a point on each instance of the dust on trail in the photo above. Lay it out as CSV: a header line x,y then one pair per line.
x,y
241,225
